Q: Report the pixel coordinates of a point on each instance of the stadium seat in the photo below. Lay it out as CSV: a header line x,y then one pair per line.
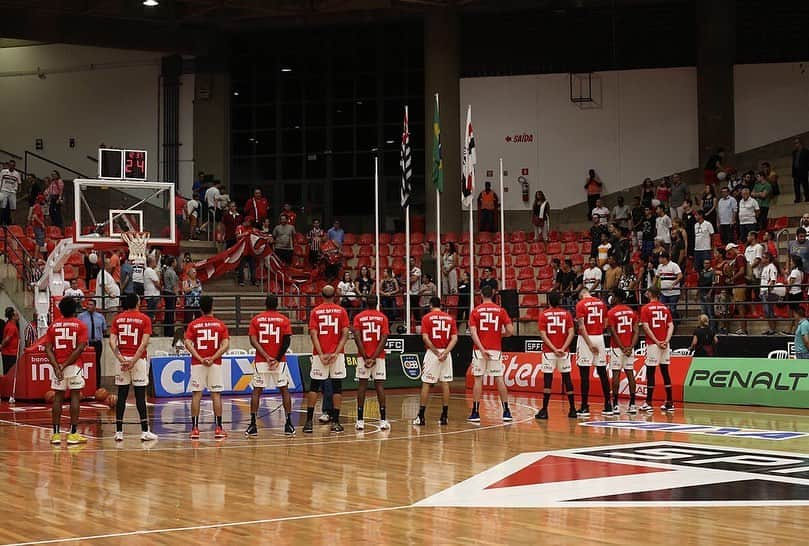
x,y
554,248
463,250
538,260
69,231
347,251
384,238
450,237
366,250
366,261
585,247
486,261
571,248
525,273
569,236
76,259
16,231
536,248
350,239
509,260
366,239
511,273
465,261
519,248
777,224
523,260
529,307
545,272
399,238
399,251
451,305
53,232
483,237
511,284
416,238
517,237
465,237
528,285
584,236
384,250
553,236
545,285
485,249
577,259
430,238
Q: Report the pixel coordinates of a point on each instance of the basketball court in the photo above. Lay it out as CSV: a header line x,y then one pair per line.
x,y
706,474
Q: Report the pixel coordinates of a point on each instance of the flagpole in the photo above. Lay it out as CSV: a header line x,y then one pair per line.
x,y
406,136
376,221
471,261
438,241
502,232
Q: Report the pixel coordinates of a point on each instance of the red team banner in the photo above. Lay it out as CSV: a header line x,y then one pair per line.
x,y
523,374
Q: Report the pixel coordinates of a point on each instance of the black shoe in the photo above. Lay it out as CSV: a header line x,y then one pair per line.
x,y
584,411
443,420
573,414
307,428
252,430
337,427
419,421
289,430
541,414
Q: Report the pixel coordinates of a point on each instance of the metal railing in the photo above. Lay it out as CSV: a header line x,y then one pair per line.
x,y
28,267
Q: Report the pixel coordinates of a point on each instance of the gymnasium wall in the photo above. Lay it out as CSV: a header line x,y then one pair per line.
x,y
771,102
640,123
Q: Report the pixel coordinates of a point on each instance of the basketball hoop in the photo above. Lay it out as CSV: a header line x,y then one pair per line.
x,y
137,241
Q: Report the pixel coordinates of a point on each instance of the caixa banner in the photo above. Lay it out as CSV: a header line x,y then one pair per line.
x,y
523,373
171,375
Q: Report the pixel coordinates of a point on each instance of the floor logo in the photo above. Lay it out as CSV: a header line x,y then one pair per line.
x,y
648,474
688,428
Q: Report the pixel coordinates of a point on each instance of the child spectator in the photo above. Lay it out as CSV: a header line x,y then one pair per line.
x,y
38,222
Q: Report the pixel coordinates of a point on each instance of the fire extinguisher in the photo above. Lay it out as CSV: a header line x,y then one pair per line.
x,y
524,183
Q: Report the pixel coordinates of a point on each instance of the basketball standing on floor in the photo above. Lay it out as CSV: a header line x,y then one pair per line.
x,y
556,330
328,328
440,335
65,340
488,324
207,339
129,337
623,325
659,327
591,315
270,335
370,333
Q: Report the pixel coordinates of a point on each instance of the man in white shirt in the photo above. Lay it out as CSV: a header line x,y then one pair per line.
x,y
106,286
151,287
703,230
663,227
602,211
192,211
753,254
215,202
73,291
10,180
748,214
669,275
620,213
769,276
591,278
726,215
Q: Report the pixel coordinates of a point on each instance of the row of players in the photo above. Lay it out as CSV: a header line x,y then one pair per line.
x,y
207,339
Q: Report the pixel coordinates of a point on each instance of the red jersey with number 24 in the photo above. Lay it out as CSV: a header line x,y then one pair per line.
x,y
371,325
269,328
623,320
64,335
439,327
328,320
658,317
594,313
207,334
488,319
556,323
130,327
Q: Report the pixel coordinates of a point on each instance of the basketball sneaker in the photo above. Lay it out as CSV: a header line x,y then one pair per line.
x,y
337,427
668,406
646,407
632,409
507,415
307,428
573,414
289,430
360,425
541,414
194,433
584,411
56,438
443,421
75,438
607,410
324,418
252,430
219,433
147,436
474,417
384,425
616,409
119,436
419,421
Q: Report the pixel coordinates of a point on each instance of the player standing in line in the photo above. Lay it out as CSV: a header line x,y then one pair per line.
x,y
556,330
658,327
270,334
623,326
207,339
371,332
129,337
328,328
488,324
65,340
591,316
440,335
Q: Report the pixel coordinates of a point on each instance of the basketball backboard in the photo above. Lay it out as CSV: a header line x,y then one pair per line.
x,y
104,209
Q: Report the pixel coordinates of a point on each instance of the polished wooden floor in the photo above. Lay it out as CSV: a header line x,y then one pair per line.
x,y
342,489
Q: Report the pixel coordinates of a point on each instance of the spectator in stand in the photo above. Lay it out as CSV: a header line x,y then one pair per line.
x,y
464,292
591,278
678,252
621,213
726,214
770,244
74,292
336,234
734,275
762,192
315,237
171,289
10,181
794,282
629,284
800,247
415,286
38,223
487,279
248,259
593,186
34,189
679,193
578,284
596,230
199,182
602,212
637,221
704,340
107,290
180,203
604,249
706,280
266,227
291,214
215,203
801,333
192,212
55,192
284,237
668,276
689,221
647,193
804,221
769,276
365,284
677,227
427,291
388,290
753,256
564,282
127,281
347,291
663,193
488,205
647,231
657,250
449,269
703,233
540,216
151,287
257,207
772,177
708,204
10,343
800,170
115,265
713,166
748,214
613,274
231,220
663,226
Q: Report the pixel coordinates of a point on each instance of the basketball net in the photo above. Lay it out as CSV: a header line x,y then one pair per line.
x,y
137,241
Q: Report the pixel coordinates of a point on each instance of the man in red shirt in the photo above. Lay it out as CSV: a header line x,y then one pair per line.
x,y
371,331
623,325
10,344
207,339
129,337
328,328
658,326
65,341
270,334
556,330
440,335
591,316
231,219
488,324
291,214
257,207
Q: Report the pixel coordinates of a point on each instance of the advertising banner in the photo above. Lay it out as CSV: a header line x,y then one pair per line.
x,y
523,374
171,375
34,372
403,370
750,381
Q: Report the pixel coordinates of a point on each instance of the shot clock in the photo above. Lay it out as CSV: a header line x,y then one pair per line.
x,y
117,164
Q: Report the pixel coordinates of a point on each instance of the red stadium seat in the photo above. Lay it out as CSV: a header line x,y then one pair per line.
x,y
486,249
350,239
347,251
545,285
511,284
366,250
301,250
16,231
451,304
366,261
366,239
399,238
585,247
384,238
578,259
53,232
463,250
486,261
76,259
545,272
416,238
523,260
384,250
536,248
571,248
465,262
569,236
450,237
483,237
465,237
584,236
553,236
519,248
517,237
509,260
511,273
528,285
399,251
538,260
529,307
430,238
554,248
69,231
777,224
525,273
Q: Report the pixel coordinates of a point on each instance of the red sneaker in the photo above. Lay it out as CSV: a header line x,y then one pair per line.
x,y
220,433
194,433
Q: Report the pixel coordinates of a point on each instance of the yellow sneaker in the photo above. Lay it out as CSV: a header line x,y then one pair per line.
x,y
76,438
56,438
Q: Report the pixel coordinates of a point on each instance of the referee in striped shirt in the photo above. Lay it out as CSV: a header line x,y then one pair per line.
x,y
315,236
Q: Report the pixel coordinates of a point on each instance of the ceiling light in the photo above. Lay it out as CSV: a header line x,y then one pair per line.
x,y
286,69
389,141
150,3
235,93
